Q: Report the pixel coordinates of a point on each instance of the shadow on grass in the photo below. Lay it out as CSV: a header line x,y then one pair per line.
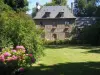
x,y
56,46
71,46
94,51
81,68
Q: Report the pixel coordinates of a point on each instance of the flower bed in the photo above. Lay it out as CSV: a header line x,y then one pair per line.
x,y
15,61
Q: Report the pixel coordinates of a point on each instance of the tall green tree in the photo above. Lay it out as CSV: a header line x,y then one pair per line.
x,y
17,4
90,34
59,2
91,9
88,8
81,6
56,2
34,12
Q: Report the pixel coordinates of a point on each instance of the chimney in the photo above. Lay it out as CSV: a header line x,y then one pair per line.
x,y
37,6
71,7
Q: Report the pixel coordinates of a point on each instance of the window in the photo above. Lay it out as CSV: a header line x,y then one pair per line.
x,y
54,24
41,24
53,29
66,30
46,15
55,36
67,23
67,35
60,14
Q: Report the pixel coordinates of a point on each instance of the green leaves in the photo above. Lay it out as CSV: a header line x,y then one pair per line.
x,y
20,29
16,4
56,2
90,34
88,8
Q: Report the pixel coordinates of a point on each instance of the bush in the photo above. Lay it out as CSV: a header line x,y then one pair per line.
x,y
90,35
19,29
57,42
15,60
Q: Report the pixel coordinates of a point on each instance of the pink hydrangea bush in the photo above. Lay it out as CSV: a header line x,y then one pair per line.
x,y
17,57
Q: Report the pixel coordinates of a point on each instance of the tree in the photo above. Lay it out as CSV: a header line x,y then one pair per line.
x,y
34,12
4,7
56,2
16,4
59,2
90,34
98,12
81,6
88,8
91,9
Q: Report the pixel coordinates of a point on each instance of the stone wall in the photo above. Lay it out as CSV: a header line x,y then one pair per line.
x,y
56,28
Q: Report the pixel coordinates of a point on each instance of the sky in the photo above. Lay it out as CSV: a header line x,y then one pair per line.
x,y
32,3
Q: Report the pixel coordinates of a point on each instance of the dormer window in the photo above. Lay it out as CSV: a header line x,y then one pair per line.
x,y
60,14
46,15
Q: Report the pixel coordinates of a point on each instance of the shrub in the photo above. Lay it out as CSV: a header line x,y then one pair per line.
x,y
57,42
90,35
19,29
15,60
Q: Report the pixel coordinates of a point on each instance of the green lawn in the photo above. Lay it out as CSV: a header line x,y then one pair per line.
x,y
68,60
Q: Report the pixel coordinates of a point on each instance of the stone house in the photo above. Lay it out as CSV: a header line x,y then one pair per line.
x,y
56,21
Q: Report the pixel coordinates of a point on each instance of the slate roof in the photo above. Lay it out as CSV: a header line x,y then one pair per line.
x,y
54,11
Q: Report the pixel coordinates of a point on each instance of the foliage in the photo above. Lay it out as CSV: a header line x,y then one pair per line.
x,y
56,2
98,12
4,7
57,42
17,28
16,58
90,34
88,8
81,5
34,12
17,4
49,4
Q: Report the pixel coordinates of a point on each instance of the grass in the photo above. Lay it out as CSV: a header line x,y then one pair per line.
x,y
68,60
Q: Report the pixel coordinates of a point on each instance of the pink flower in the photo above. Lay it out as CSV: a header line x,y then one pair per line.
x,y
14,51
20,47
9,59
30,55
14,57
21,69
7,54
2,58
